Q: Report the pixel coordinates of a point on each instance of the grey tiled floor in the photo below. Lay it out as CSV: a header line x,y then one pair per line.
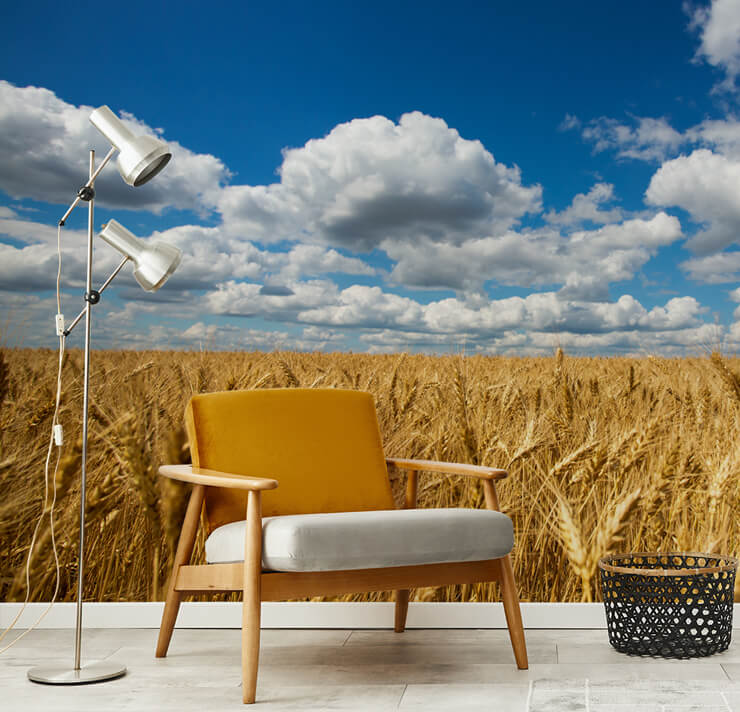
x,y
570,670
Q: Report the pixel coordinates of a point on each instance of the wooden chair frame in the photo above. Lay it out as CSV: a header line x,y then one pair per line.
x,y
258,586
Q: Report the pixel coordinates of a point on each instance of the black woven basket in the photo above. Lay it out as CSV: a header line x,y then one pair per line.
x,y
675,605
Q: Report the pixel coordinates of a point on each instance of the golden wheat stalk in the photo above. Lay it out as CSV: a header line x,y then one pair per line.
x,y
673,438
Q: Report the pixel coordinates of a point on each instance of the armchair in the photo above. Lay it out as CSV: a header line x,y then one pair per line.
x,y
308,469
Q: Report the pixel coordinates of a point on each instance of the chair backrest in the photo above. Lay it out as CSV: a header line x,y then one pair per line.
x,y
322,445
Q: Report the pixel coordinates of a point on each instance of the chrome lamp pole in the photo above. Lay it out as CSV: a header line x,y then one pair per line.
x,y
140,159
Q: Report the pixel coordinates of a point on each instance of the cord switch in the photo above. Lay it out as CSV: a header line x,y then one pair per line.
x,y
60,324
58,435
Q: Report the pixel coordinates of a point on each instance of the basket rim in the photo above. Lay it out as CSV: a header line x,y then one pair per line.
x,y
731,565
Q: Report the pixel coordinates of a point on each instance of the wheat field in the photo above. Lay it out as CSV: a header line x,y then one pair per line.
x,y
604,455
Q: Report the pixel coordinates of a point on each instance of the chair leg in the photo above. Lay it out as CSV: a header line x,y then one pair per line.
x,y
182,558
402,595
252,597
513,614
401,610
169,617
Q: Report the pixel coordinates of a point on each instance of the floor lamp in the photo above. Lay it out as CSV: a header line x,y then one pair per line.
x,y
140,159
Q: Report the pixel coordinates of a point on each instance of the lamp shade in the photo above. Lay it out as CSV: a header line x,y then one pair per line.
x,y
140,158
153,262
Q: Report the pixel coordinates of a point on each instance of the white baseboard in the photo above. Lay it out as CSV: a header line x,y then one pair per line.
x,y
312,615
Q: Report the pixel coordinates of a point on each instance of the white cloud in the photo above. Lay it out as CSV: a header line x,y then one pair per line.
x,y
545,311
229,337
321,304
440,207
210,256
32,232
734,332
721,134
372,182
719,29
648,139
637,342
675,342
242,299
33,265
437,204
655,140
152,325
714,269
585,261
571,121
312,260
705,182
706,185
586,207
28,319
400,340
369,307
44,144
383,321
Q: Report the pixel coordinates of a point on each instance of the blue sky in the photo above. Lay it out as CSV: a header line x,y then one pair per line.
x,y
405,176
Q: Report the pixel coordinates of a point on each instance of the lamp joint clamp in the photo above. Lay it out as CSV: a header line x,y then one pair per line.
x,y
86,193
93,296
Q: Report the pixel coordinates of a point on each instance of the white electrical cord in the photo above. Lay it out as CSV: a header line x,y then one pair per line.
x,y
54,438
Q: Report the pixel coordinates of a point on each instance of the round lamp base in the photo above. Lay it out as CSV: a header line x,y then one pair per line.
x,y
64,675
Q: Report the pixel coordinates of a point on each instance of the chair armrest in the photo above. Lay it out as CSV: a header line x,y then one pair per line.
x,y
450,468
214,478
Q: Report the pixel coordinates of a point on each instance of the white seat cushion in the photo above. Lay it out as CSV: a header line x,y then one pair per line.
x,y
367,540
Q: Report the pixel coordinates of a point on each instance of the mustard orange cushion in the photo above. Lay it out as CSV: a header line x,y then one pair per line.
x,y
322,445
